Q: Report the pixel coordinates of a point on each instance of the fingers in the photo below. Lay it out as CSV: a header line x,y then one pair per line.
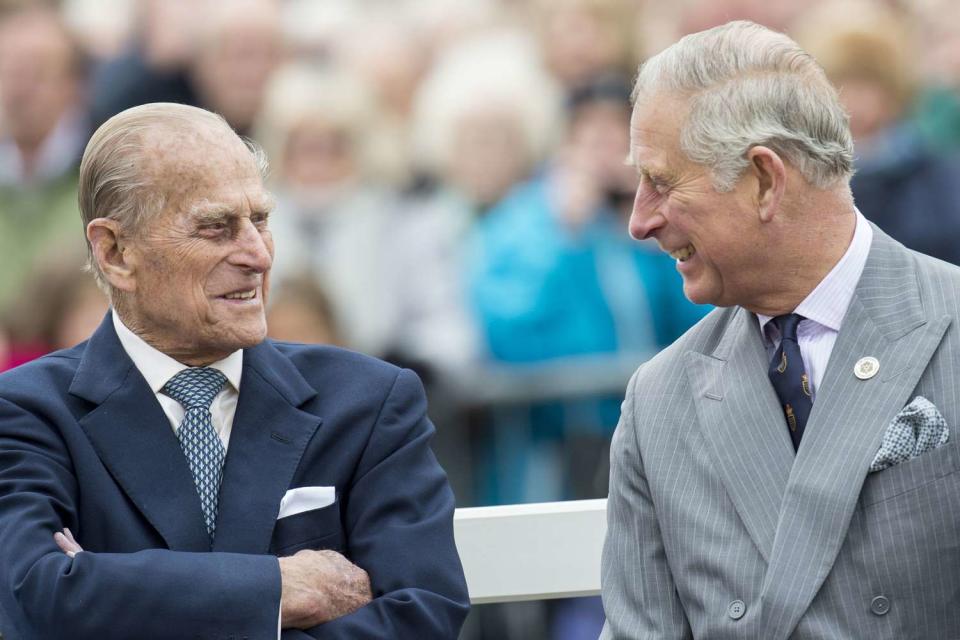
x,y
318,586
67,542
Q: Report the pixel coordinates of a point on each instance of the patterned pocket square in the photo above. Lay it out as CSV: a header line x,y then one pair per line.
x,y
918,428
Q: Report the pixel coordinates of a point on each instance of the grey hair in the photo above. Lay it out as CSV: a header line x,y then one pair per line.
x,y
749,86
115,180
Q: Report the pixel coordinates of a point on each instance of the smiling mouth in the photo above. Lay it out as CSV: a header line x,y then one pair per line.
x,y
241,295
683,254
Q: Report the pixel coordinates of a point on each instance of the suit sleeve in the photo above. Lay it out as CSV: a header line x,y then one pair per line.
x,y
149,594
639,594
399,520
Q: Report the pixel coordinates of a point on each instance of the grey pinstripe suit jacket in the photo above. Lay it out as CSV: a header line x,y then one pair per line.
x,y
709,505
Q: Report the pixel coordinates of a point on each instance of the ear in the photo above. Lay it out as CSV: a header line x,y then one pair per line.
x,y
111,254
771,180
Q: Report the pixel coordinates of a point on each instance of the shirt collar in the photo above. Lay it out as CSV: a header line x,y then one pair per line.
x,y
157,367
827,304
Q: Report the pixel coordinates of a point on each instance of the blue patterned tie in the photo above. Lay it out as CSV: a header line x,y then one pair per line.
x,y
790,379
195,388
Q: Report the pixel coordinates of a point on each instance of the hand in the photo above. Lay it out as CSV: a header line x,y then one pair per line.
x,y
318,586
576,194
67,543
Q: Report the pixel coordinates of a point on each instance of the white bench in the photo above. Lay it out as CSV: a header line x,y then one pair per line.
x,y
531,551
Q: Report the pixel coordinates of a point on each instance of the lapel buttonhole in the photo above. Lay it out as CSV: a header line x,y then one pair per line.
x,y
279,438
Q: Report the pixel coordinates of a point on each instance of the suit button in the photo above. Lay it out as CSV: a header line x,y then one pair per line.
x,y
880,606
736,609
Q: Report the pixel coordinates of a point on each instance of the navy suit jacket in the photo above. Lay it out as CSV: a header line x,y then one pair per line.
x,y
84,444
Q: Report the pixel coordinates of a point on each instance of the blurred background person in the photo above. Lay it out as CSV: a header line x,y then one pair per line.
x,y
584,39
902,183
552,276
484,121
43,129
390,50
238,48
299,311
217,55
58,307
332,220
938,105
152,64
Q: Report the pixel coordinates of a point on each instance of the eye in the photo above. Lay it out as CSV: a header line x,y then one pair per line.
x,y
213,228
658,184
260,219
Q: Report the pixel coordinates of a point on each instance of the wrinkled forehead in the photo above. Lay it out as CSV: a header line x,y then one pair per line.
x,y
197,161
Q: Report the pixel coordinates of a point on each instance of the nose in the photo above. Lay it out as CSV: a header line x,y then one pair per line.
x,y
645,217
255,248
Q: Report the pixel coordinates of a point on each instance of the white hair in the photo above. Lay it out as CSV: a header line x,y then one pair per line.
x,y
499,70
749,86
115,180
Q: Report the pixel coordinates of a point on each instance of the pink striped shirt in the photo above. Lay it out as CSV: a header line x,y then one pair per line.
x,y
825,307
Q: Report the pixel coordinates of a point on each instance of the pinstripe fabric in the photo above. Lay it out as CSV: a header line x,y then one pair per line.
x,y
708,504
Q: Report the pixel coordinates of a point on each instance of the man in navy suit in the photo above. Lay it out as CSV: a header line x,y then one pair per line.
x,y
180,476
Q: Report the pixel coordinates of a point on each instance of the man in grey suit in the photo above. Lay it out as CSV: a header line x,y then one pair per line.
x,y
789,467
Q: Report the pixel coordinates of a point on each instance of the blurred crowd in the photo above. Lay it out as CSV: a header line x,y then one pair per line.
x,y
451,187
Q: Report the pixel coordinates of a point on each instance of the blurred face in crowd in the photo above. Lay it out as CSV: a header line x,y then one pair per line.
x,y
393,60
37,81
318,154
872,107
599,137
715,237
235,65
199,267
486,158
580,43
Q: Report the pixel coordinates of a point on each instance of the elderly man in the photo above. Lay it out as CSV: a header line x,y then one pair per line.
x,y
789,467
210,483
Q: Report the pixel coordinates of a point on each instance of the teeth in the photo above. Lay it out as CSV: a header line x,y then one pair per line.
x,y
683,254
245,295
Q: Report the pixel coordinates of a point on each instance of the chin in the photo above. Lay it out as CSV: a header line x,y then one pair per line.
x,y
243,338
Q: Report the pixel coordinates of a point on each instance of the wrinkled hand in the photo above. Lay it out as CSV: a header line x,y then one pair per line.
x,y
318,586
67,543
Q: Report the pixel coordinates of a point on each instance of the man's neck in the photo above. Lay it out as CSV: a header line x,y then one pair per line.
x,y
181,355
818,239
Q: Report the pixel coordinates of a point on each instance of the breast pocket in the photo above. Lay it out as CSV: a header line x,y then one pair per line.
x,y
912,475
315,529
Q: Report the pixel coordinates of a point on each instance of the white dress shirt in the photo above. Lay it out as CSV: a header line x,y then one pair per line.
x,y
825,308
157,368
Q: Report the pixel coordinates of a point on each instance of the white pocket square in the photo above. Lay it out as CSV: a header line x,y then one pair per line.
x,y
918,428
306,499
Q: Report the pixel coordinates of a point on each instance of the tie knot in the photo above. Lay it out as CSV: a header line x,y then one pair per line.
x,y
787,324
195,387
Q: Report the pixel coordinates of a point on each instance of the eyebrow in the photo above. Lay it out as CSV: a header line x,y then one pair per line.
x,y
207,211
266,204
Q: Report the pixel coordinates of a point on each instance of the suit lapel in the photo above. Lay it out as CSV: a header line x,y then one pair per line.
x,y
886,321
133,438
269,436
741,418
